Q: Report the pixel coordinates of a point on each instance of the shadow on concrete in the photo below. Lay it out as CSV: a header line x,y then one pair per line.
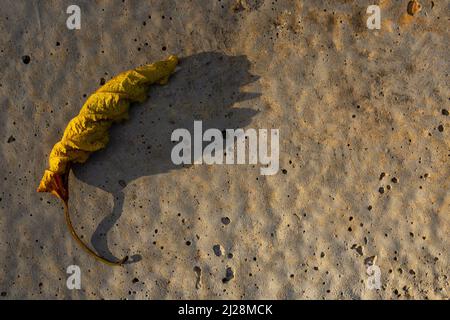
x,y
206,87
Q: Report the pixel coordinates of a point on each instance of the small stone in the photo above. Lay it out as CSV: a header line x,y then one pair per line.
x,y
11,139
441,128
445,112
381,190
394,180
135,280
122,183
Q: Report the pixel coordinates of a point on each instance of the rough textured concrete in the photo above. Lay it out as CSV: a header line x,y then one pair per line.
x,y
350,104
